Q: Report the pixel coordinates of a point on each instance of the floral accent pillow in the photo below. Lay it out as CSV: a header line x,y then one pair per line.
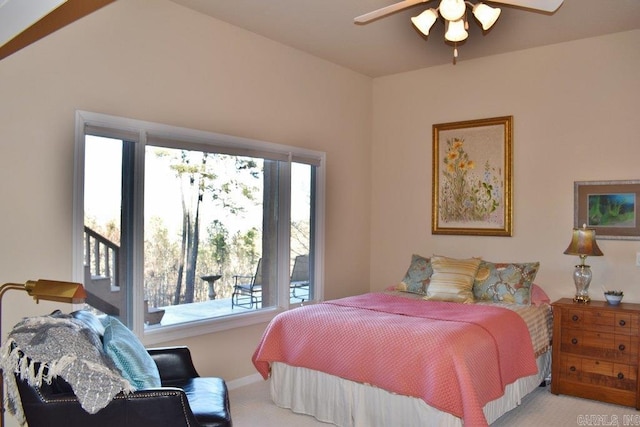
x,y
505,282
418,276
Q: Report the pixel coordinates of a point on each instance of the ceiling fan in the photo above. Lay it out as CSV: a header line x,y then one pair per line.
x,y
454,14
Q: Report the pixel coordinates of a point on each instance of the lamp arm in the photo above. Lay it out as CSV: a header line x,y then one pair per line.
x,y
4,288
8,286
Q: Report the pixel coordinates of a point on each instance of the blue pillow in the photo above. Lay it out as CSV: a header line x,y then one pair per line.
x,y
418,276
92,321
505,282
129,355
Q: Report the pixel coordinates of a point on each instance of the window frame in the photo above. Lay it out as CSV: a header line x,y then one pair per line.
x,y
139,131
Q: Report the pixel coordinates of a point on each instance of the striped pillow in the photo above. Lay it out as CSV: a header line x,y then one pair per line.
x,y
452,279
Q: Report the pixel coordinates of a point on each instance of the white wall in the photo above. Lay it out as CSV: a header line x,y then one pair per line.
x,y
575,109
157,61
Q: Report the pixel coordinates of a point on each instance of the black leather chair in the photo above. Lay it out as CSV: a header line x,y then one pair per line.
x,y
185,399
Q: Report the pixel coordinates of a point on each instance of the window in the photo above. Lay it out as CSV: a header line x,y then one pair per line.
x,y
180,232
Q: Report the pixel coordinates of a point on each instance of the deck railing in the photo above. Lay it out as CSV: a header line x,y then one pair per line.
x,y
101,255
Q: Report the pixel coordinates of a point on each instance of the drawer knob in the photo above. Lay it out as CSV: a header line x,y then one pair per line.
x,y
574,340
621,347
572,368
620,376
622,323
575,318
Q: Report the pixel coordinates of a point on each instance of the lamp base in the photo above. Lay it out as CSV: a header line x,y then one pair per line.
x,y
582,299
582,280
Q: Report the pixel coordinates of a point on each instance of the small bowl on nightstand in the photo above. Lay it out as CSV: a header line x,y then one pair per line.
x,y
613,297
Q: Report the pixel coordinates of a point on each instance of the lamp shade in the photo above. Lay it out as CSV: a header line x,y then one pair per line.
x,y
52,290
583,243
452,10
486,15
455,31
425,20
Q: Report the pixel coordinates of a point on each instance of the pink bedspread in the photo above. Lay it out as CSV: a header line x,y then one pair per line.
x,y
456,357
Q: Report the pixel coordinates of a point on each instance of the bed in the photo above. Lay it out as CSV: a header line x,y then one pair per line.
x,y
392,358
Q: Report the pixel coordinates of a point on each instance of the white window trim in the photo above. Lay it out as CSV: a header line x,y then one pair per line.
x,y
206,326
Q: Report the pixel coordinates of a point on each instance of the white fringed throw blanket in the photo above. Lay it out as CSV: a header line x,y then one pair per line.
x,y
39,349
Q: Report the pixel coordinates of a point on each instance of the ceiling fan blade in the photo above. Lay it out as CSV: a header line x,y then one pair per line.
x,y
368,17
544,5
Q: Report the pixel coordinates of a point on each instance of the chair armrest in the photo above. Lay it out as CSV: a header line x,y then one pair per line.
x,y
174,363
299,284
165,406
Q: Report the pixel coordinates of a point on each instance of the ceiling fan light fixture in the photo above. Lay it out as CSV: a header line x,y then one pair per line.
x,y
452,10
425,20
486,15
455,31
454,14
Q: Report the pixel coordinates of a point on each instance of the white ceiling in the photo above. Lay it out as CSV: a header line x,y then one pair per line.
x,y
325,28
16,15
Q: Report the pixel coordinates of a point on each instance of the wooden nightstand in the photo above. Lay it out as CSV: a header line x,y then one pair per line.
x,y
595,351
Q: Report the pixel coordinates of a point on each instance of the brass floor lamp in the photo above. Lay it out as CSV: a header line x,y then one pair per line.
x,y
47,290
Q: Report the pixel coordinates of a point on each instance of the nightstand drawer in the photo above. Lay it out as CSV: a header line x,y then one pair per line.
x,y
615,347
605,321
598,372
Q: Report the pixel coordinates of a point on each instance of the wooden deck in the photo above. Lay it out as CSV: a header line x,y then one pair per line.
x,y
202,310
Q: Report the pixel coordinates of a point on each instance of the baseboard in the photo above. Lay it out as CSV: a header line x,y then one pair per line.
x,y
240,382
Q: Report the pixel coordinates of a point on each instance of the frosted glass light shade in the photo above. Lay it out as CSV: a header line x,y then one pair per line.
x,y
452,10
486,15
425,20
455,31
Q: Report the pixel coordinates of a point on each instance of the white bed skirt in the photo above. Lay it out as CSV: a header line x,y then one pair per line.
x,y
349,404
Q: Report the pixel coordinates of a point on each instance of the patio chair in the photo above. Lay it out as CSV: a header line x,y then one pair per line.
x,y
299,284
247,290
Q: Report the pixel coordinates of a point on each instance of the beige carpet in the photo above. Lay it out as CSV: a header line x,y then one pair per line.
x,y
252,407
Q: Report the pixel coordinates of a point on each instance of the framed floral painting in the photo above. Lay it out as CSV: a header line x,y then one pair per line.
x,y
472,169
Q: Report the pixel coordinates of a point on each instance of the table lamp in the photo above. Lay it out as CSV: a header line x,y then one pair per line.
x,y
583,243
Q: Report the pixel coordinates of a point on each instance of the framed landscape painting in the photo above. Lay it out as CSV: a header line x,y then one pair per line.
x,y
472,169
609,207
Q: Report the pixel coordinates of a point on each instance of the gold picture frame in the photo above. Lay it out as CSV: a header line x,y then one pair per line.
x,y
472,177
